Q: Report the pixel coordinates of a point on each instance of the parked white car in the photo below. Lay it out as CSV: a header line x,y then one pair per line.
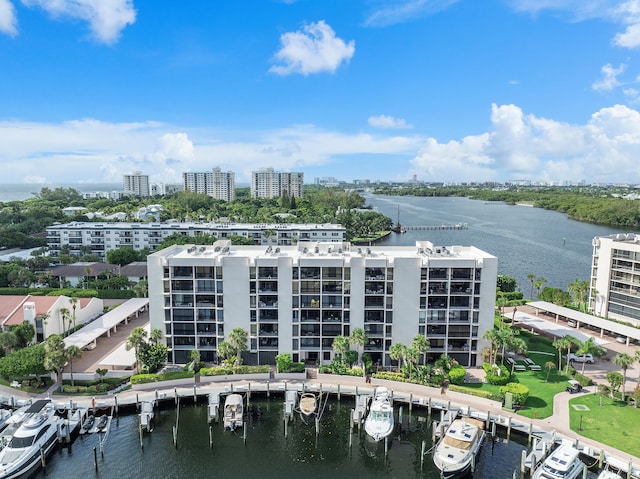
x,y
578,358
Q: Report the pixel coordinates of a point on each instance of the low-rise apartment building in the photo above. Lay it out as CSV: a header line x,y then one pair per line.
x,y
296,299
98,238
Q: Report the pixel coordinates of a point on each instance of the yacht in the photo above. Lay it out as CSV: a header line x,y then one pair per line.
x,y
455,453
563,463
379,421
233,411
33,440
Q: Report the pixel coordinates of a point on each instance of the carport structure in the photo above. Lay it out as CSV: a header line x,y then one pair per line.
x,y
581,319
107,323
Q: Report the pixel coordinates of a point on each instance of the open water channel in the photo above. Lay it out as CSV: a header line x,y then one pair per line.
x,y
267,453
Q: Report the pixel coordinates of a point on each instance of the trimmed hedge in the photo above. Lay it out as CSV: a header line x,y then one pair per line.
x,y
457,374
583,380
96,389
476,392
116,294
497,380
520,392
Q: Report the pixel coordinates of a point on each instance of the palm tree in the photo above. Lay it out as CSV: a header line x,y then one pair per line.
x,y
340,346
135,341
492,336
74,303
398,352
238,340
421,344
156,336
549,365
561,344
64,314
532,278
538,285
71,353
225,349
625,361
43,319
589,347
358,338
54,357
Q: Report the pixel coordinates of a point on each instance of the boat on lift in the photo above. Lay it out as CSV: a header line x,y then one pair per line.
x,y
308,404
379,422
233,412
563,463
456,451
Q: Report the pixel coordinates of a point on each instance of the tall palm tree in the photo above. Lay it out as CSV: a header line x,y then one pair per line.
x,y
64,314
532,278
340,346
538,285
492,336
43,319
156,336
73,301
358,338
625,361
398,352
135,341
238,339
549,365
420,344
71,353
561,344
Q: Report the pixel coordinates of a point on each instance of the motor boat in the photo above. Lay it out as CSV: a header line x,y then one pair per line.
x,y
379,422
563,463
146,415
308,404
609,474
456,451
33,440
233,411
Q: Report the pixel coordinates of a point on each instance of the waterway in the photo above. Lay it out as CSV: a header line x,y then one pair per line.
x,y
524,239
267,453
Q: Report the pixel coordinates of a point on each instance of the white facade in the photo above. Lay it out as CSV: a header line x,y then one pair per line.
x,y
218,184
268,183
136,184
297,299
103,237
615,277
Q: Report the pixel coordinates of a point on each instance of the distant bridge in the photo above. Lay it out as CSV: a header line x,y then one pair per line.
x,y
456,226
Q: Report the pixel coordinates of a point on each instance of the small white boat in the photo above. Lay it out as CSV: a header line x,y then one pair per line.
x,y
379,422
146,415
233,411
563,463
308,404
609,474
32,441
455,453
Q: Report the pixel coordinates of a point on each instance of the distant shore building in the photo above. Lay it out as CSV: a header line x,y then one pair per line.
x,y
216,183
269,183
615,277
297,299
100,238
136,184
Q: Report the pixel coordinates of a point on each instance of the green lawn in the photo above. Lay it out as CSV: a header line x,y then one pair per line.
x,y
613,423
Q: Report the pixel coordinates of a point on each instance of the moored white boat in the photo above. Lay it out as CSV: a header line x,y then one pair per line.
x,y
146,415
33,440
308,404
379,422
455,453
563,463
233,411
609,474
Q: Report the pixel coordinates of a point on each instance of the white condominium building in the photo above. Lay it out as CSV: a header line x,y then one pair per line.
x,y
76,237
136,184
216,183
615,277
297,299
268,183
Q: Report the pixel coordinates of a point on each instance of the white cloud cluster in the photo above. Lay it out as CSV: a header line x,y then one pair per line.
x,y
392,12
314,49
8,20
609,79
385,121
528,147
106,18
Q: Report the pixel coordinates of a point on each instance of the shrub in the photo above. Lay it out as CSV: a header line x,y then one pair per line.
x,y
496,379
251,369
215,371
476,392
520,392
144,378
283,362
392,376
457,374
583,380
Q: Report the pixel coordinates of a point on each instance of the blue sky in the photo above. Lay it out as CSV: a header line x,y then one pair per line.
x,y
446,90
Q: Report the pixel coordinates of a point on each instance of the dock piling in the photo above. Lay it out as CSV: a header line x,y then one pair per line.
x,y
523,463
423,447
95,458
211,437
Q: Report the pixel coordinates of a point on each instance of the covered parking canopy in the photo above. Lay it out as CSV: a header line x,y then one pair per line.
x,y
604,325
106,322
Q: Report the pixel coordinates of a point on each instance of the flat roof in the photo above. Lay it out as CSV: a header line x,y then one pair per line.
x,y
104,323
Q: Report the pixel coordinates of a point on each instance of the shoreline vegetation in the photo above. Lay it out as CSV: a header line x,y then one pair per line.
x,y
608,206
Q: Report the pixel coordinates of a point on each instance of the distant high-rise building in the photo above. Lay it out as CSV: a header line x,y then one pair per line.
x,y
268,183
216,183
136,184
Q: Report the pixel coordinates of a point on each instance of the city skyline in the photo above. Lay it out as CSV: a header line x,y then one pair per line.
x,y
443,90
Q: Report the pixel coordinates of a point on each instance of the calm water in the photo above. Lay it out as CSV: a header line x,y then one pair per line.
x,y
23,191
267,453
525,239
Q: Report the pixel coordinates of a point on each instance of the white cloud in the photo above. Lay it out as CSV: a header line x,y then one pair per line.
x,y
314,49
385,121
609,79
523,146
8,20
629,14
106,18
399,11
